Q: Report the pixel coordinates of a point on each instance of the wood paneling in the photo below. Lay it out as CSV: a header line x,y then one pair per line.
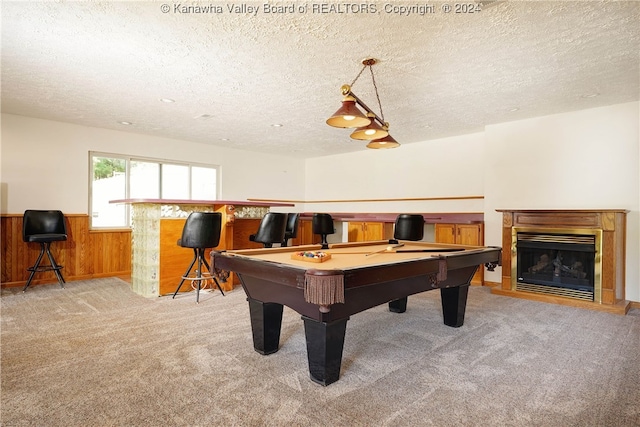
x,y
242,229
85,254
174,259
102,253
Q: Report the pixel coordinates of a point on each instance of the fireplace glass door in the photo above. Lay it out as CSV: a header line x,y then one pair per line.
x,y
563,264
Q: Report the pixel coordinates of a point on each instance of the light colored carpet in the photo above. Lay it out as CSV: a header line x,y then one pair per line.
x,y
96,354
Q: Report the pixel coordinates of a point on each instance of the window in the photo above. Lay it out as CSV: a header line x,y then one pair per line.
x,y
116,177
175,182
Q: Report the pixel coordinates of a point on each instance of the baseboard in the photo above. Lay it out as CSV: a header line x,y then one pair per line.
x,y
491,284
36,282
622,307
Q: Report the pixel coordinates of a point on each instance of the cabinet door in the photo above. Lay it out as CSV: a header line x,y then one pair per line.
x,y
473,235
469,234
356,232
374,231
445,233
463,234
366,231
305,234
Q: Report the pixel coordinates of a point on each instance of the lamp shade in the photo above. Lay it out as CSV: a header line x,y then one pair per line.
x,y
348,116
372,131
386,142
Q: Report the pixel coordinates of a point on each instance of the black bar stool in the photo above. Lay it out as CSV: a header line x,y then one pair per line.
x,y
408,227
271,230
44,227
200,231
322,224
291,232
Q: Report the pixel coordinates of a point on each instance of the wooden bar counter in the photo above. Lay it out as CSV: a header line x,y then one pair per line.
x,y
157,262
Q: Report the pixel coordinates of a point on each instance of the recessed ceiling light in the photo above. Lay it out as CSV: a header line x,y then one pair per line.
x,y
590,95
277,125
167,100
123,122
225,139
514,109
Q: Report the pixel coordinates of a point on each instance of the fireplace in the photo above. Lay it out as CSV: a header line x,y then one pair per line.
x,y
563,262
565,257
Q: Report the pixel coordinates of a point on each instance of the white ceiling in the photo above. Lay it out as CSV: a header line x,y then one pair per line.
x,y
439,74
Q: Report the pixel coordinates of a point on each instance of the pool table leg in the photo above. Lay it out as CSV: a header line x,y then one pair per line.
x,y
325,342
266,322
454,304
398,305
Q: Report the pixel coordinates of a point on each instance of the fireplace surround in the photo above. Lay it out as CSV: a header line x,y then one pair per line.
x,y
570,257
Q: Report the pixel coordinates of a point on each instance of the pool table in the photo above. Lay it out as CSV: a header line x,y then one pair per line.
x,y
353,278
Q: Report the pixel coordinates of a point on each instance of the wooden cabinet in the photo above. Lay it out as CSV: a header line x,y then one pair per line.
x,y
360,231
305,234
463,234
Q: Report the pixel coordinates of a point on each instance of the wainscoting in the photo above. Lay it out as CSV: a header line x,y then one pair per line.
x,y
86,254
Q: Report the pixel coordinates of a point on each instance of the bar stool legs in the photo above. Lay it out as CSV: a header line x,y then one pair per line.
x,y
45,247
199,276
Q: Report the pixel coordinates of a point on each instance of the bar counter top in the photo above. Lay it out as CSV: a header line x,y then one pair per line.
x,y
429,218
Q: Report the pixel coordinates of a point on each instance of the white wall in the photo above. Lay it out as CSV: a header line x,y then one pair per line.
x,y
45,164
448,167
580,160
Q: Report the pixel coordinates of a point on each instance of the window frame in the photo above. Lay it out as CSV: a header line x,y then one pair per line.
x,y
128,159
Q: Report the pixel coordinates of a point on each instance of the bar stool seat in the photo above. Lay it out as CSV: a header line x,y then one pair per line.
x,y
322,224
271,230
408,227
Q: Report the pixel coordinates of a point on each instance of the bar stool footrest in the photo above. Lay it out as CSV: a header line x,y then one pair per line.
x,y
205,278
42,268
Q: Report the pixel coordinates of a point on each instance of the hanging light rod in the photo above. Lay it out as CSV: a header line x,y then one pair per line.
x,y
346,91
370,126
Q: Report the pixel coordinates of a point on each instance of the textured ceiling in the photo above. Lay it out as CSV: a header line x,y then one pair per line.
x,y
234,74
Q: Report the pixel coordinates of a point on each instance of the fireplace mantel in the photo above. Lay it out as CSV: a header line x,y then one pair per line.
x,y
609,223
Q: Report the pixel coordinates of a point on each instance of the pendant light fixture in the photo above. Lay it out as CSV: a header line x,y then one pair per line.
x,y
383,143
370,132
348,116
369,127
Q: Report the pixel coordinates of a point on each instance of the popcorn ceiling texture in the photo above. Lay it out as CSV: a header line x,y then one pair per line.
x,y
440,74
